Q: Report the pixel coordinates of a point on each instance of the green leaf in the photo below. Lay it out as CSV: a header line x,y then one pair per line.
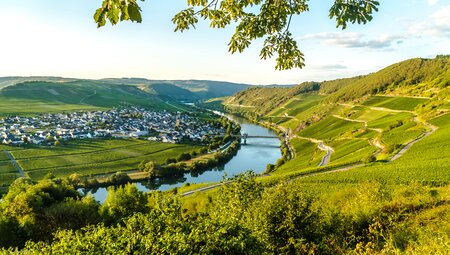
x,y
134,11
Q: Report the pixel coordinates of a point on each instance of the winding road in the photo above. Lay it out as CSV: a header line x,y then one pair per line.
x,y
325,159
408,145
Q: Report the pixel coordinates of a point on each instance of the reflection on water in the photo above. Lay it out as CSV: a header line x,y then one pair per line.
x,y
255,155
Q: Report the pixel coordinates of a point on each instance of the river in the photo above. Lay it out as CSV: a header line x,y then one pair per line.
x,y
255,155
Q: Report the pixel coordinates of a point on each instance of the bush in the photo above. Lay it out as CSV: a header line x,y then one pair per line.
x,y
184,157
119,178
369,159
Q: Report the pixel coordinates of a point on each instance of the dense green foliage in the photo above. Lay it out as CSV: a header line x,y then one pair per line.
x,y
244,217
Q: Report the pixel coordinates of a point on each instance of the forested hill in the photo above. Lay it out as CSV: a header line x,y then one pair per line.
x,y
415,77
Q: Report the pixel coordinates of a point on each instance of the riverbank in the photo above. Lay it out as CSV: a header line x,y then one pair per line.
x,y
195,165
288,153
255,156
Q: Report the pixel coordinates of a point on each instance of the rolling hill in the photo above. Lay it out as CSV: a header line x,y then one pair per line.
x,y
418,77
29,95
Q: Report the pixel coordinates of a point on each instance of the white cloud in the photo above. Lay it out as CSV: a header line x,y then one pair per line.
x,y
437,24
355,40
432,2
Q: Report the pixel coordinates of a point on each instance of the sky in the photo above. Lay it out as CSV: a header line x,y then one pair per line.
x,y
60,38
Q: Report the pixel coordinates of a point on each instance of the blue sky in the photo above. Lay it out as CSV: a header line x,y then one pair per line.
x,y
59,38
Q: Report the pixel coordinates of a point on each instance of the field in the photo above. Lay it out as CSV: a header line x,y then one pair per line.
x,y
350,150
329,128
306,155
91,157
390,119
22,107
297,105
403,134
7,171
395,103
351,130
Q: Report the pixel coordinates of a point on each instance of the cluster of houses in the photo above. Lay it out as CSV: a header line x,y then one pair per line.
x,y
131,122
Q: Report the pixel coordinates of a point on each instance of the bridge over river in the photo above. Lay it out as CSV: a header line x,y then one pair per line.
x,y
246,136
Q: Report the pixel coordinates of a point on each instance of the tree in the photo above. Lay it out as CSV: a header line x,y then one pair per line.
x,y
123,202
270,20
151,168
183,157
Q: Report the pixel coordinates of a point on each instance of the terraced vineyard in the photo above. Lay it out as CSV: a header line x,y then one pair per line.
x,y
351,150
330,127
7,172
91,157
395,103
306,155
378,126
426,162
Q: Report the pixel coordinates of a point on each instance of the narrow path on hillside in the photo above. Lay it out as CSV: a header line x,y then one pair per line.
x,y
376,108
342,169
321,146
14,163
325,159
352,120
377,143
290,117
88,96
240,105
418,139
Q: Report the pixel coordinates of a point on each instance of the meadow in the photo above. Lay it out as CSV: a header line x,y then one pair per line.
x,y
7,172
92,157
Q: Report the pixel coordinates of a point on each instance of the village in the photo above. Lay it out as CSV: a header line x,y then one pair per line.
x,y
133,122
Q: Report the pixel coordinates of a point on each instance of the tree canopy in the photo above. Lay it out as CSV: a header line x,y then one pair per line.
x,y
254,19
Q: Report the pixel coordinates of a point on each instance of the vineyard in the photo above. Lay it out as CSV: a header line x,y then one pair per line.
x,y
91,157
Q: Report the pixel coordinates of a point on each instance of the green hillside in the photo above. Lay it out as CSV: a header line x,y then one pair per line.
x,y
427,78
373,116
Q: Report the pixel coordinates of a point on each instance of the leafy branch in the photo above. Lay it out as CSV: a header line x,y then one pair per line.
x,y
254,19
